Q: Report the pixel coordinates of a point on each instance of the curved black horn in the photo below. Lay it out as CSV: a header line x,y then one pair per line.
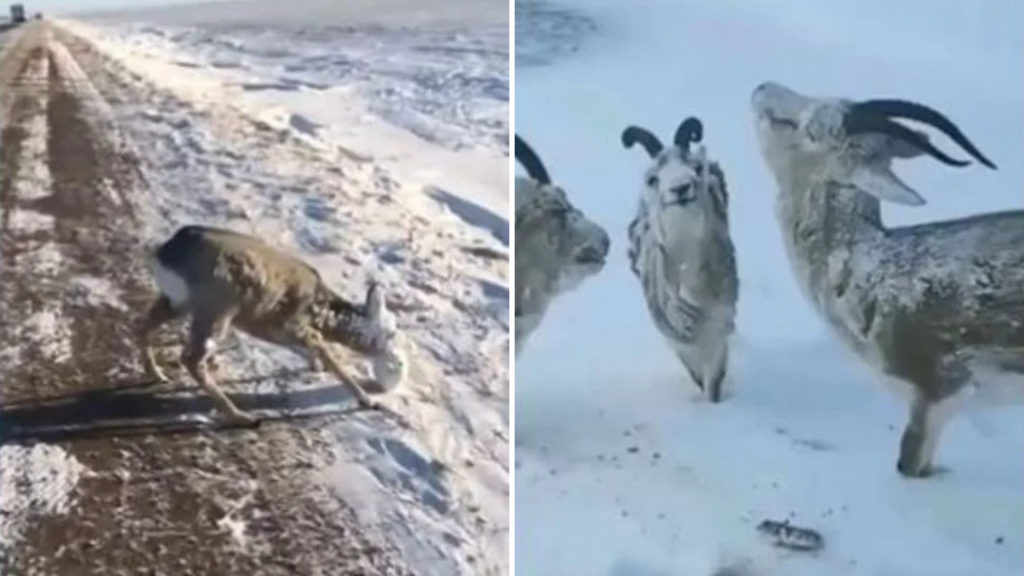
x,y
921,113
689,132
529,159
860,123
650,142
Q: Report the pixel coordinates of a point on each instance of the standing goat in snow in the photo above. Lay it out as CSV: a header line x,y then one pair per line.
x,y
223,278
557,246
681,251
938,308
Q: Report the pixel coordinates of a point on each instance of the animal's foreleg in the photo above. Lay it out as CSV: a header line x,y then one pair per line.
x,y
315,342
716,372
160,313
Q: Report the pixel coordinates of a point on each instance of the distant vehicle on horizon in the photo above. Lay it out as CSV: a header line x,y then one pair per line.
x,y
18,13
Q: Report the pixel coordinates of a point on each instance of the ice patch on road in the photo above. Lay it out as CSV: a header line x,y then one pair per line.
x,y
46,259
49,331
30,221
96,292
35,481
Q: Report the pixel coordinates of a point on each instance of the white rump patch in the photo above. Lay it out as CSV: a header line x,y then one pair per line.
x,y
171,285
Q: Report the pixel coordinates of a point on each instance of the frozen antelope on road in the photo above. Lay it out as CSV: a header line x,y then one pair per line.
x,y
224,278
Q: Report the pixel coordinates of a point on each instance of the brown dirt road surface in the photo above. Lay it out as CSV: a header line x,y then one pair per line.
x,y
202,503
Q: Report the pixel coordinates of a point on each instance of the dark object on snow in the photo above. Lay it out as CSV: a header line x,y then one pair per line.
x,y
18,13
785,535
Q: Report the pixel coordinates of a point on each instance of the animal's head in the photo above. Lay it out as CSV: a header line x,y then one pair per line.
x,y
557,246
384,325
849,143
387,350
369,327
683,192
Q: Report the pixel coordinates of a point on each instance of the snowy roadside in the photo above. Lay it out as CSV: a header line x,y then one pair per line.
x,y
373,199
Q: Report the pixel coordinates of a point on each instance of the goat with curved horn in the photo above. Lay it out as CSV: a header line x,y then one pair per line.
x,y
859,123
890,108
938,310
690,131
681,252
650,142
531,162
557,246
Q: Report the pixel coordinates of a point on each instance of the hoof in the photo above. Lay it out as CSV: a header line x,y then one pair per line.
x,y
244,420
157,376
370,404
908,471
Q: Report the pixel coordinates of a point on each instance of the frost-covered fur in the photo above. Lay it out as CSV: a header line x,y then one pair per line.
x,y
938,307
223,278
557,246
681,252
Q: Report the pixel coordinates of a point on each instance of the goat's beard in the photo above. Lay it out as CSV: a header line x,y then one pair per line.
x,y
676,227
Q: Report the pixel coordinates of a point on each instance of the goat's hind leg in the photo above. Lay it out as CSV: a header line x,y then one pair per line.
x,y
160,312
206,326
921,435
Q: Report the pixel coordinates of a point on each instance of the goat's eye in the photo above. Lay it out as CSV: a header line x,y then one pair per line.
x,y
652,181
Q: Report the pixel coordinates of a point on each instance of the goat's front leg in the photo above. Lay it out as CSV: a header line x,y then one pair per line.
x,y
205,326
716,372
161,312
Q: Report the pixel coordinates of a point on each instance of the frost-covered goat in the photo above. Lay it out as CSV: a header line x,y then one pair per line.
x,y
557,246
938,308
681,251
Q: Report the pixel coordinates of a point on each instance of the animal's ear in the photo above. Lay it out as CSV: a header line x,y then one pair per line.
x,y
880,182
375,300
900,149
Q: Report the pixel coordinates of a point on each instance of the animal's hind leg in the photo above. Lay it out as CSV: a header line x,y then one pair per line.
x,y
160,312
201,342
920,437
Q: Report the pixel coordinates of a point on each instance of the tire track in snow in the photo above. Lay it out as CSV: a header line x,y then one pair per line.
x,y
34,481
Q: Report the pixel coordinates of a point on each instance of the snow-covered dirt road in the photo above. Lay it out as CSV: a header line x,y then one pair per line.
x,y
98,161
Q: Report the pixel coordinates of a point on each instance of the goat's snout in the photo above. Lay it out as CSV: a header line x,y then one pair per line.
x,y
761,95
683,192
775,99
597,251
